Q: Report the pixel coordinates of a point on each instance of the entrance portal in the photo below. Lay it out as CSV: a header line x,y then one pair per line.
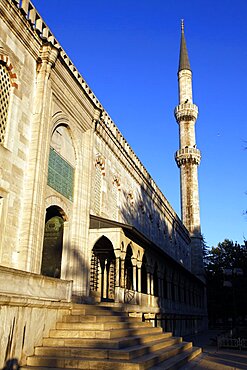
x,y
103,271
53,243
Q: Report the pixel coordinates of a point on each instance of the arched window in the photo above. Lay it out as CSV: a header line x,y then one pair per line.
x,y
5,88
61,162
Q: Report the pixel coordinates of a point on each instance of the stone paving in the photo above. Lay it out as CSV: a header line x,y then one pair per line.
x,y
212,358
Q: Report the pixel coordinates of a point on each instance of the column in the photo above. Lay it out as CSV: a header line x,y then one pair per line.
x,y
151,284
122,282
148,283
139,277
118,262
134,278
105,280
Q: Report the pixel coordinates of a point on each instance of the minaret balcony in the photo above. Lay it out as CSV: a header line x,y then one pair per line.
x,y
188,155
186,112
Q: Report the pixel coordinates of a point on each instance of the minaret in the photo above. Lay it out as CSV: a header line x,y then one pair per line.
x,y
188,157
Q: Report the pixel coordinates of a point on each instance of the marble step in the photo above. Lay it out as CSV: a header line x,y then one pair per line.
x,y
102,334
141,363
96,310
102,325
122,354
179,360
100,318
107,343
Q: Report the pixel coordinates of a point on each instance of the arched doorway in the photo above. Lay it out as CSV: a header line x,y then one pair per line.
x,y
103,270
53,242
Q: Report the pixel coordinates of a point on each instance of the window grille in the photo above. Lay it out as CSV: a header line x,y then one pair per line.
x,y
60,175
4,100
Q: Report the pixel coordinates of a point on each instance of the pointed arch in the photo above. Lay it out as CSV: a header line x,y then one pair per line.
x,y
103,269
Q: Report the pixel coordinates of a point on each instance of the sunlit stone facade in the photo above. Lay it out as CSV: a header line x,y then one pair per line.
x,y
78,210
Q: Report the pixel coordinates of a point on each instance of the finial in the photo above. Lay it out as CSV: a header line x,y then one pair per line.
x,y
182,25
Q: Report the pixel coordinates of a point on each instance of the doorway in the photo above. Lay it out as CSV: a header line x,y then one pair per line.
x,y
53,242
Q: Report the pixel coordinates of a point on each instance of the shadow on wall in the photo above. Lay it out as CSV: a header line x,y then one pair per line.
x,y
80,268
142,213
11,364
40,319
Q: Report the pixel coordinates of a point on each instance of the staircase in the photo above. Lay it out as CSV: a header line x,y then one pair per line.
x,y
98,337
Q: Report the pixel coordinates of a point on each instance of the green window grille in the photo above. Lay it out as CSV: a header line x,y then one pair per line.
x,y
60,175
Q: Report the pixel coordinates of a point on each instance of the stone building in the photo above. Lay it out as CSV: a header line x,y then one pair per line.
x,y
81,219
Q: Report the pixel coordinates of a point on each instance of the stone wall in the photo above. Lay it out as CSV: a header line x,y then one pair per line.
x,y
30,305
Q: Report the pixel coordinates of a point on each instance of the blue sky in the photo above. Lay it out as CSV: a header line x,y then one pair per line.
x,y
127,51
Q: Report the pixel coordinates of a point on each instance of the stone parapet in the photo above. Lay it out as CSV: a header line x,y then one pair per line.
x,y
188,155
33,285
186,112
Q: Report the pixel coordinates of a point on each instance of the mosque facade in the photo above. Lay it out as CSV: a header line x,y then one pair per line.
x,y
81,218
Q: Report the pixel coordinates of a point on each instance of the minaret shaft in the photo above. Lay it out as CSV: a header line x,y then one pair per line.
x,y
188,159
185,86
188,156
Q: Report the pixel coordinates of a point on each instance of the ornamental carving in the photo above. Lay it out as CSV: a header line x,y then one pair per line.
x,y
100,162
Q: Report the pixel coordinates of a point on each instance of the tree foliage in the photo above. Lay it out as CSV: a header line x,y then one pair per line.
x,y
226,272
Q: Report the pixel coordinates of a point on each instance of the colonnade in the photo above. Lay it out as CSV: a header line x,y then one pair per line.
x,y
144,275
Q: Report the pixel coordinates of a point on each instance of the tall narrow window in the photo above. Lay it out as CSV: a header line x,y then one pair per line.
x,y
5,86
61,162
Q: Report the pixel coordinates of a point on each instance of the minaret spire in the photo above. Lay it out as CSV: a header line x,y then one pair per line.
x,y
184,62
188,157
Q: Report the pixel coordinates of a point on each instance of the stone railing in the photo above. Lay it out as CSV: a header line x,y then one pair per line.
x,y
23,284
188,155
186,111
228,342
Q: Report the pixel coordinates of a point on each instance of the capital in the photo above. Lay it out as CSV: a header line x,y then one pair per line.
x,y
48,55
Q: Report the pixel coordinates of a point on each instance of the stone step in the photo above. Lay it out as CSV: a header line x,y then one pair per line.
x,y
122,354
179,360
80,363
100,318
101,325
142,362
153,359
98,337
106,343
103,334
96,310
141,350
91,343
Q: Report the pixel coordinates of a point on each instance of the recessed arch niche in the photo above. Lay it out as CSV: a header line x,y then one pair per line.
x,y
53,242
